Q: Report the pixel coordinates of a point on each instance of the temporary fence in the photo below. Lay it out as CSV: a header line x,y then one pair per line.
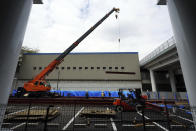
x,y
167,95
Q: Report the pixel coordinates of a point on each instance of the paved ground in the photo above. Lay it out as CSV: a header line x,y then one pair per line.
x,y
70,119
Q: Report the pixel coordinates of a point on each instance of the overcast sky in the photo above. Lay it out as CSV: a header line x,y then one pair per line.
x,y
142,26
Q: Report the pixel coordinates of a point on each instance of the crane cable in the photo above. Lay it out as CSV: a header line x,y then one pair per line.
x,y
117,18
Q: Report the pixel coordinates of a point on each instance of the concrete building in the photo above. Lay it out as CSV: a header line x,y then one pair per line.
x,y
84,71
161,70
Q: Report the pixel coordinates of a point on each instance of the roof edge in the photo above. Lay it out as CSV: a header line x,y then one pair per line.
x,y
82,53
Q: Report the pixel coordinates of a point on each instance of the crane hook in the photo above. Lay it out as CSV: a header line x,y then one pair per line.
x,y
116,16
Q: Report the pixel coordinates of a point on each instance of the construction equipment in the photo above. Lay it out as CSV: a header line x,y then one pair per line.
x,y
133,101
39,86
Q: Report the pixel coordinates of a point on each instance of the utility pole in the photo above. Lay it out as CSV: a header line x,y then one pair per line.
x,y
58,80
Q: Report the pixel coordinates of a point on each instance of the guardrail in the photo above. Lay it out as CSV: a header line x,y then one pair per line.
x,y
157,51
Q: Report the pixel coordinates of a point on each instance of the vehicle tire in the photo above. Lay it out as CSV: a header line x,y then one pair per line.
x,y
119,108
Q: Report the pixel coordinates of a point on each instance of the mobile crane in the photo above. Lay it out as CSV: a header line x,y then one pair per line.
x,y
39,85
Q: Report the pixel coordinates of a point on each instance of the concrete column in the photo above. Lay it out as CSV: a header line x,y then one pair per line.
x,y
183,18
13,85
13,21
172,81
153,83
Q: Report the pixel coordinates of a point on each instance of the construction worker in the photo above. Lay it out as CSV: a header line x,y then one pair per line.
x,y
148,94
102,94
86,95
109,94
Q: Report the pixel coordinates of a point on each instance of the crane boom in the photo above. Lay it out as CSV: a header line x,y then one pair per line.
x,y
38,83
60,58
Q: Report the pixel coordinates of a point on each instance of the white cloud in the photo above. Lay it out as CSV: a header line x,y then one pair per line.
x,y
56,24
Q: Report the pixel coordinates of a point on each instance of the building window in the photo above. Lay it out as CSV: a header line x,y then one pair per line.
x,y
34,68
62,68
57,68
104,68
74,68
110,68
92,68
80,68
68,68
86,68
122,68
116,68
98,68
40,68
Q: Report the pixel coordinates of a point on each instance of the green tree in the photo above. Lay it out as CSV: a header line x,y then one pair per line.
x,y
26,49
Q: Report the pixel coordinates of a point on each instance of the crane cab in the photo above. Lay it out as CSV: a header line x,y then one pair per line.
x,y
37,86
34,88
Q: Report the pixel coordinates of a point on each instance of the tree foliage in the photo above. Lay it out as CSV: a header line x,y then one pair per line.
x,y
26,49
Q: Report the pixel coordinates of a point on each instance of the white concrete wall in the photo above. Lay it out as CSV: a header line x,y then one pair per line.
x,y
129,62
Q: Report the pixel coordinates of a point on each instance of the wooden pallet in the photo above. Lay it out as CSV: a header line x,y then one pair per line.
x,y
34,115
98,113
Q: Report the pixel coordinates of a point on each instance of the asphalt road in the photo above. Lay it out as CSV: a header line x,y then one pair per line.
x,y
70,119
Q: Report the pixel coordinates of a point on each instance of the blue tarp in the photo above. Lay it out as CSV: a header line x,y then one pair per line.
x,y
168,106
14,92
114,93
181,106
90,93
70,93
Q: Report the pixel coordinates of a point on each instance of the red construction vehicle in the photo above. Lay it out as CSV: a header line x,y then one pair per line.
x,y
39,85
132,102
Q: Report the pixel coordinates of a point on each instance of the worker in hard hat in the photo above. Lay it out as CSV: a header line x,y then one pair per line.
x,y
102,94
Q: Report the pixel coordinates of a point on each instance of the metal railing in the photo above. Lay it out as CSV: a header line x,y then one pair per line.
x,y
31,117
158,51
